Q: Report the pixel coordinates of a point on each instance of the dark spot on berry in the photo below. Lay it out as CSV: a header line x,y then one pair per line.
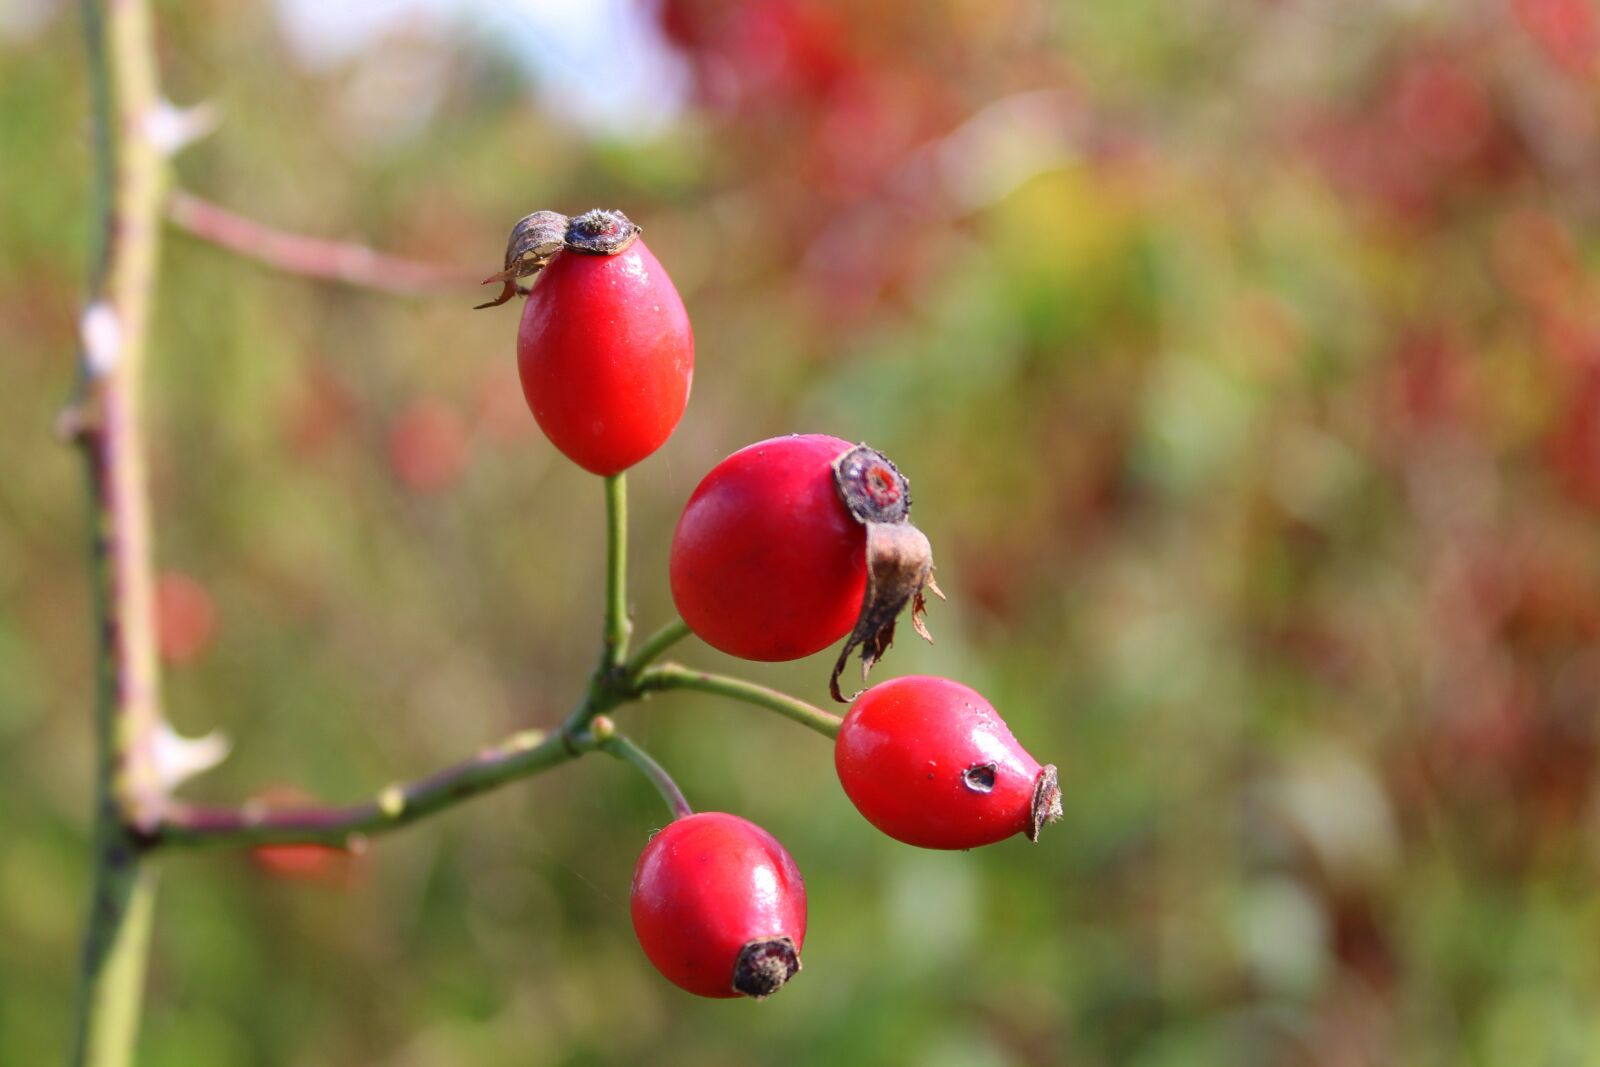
x,y
980,779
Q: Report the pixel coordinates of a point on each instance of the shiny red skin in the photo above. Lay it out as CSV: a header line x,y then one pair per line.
x,y
606,357
767,564
902,757
705,887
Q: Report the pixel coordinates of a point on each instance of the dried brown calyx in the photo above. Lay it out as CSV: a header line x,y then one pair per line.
x,y
764,966
537,238
1046,806
899,558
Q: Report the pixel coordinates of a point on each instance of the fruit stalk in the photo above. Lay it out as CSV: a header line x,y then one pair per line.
x,y
619,627
677,676
656,645
105,420
625,749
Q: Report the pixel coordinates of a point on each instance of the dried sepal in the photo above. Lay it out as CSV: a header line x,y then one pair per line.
x,y
1046,806
601,233
765,966
899,568
533,243
536,239
899,558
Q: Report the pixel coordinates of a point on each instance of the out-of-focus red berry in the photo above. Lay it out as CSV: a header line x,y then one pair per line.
x,y
326,865
1567,30
1573,448
500,413
186,618
428,446
316,410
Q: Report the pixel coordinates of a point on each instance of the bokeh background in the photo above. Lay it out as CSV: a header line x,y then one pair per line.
x,y
1245,360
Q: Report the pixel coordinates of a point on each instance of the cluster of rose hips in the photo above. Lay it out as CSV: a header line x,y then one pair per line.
x,y
785,547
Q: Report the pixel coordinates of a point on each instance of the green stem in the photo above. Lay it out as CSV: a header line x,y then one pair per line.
x,y
624,748
520,756
116,945
618,626
677,676
655,646
106,417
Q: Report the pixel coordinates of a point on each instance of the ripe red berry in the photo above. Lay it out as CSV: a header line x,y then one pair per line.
x,y
186,618
767,562
719,907
929,762
429,447
605,351
322,864
327,865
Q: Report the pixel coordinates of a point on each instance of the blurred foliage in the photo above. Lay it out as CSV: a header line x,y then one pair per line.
x,y
1245,361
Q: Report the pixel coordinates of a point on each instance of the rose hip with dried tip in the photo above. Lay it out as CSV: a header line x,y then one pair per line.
x,y
930,762
791,543
604,351
719,907
767,563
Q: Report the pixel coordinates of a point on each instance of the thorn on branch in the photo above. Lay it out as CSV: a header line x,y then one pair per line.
x,y
177,759
100,342
100,331
171,129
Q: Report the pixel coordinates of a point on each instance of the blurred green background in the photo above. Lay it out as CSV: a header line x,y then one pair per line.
x,y
1245,361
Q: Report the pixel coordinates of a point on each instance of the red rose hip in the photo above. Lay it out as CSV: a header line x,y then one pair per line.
x,y
605,351
929,762
767,562
719,907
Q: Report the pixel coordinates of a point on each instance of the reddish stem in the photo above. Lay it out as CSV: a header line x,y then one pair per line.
x,y
312,257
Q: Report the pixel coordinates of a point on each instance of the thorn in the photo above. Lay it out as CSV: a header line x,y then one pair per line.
x,y
172,129
100,330
511,289
177,759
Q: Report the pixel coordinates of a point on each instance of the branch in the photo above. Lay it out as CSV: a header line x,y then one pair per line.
x,y
522,755
624,748
519,756
312,257
677,676
106,420
655,646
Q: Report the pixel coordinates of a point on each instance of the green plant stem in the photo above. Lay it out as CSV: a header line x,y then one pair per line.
x,y
624,748
655,646
519,756
105,418
116,946
618,626
676,676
